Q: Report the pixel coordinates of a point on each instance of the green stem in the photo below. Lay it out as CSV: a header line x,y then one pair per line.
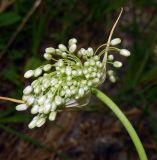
x,y
125,122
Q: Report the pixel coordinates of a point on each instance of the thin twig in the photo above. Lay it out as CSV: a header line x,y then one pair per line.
x,y
11,99
110,36
21,26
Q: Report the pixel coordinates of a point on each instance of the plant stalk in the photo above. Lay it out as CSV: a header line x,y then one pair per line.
x,y
128,126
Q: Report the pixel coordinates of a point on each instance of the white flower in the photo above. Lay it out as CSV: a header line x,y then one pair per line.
x,y
52,116
48,56
110,57
40,121
124,52
32,124
62,47
68,70
37,72
81,92
72,41
115,41
58,100
21,107
35,109
110,72
90,51
64,54
30,100
50,50
53,81
47,67
47,108
117,64
27,90
112,79
41,100
29,74
72,48
53,106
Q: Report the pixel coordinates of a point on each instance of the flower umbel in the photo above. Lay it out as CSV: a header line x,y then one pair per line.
x,y
68,77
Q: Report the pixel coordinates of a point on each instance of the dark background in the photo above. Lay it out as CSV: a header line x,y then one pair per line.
x,y
28,27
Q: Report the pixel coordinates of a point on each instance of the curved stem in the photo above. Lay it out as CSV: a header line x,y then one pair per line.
x,y
131,131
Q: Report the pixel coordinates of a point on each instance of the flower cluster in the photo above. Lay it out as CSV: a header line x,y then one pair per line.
x,y
67,78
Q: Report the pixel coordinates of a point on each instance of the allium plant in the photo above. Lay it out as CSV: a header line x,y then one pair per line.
x,y
69,78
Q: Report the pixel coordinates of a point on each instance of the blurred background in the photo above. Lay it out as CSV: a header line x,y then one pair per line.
x,y
28,27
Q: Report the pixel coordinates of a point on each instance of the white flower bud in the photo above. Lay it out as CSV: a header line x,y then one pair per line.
x,y
110,57
87,76
24,98
89,83
110,72
74,73
72,48
80,72
117,64
74,91
99,64
32,124
47,67
86,88
62,93
82,51
99,75
72,41
29,74
35,109
37,90
86,64
37,72
40,122
47,108
21,107
81,92
62,47
90,69
85,71
27,90
53,106
78,64
60,63
41,109
64,54
47,56
69,78
92,62
54,81
115,41
68,92
41,100
68,70
96,80
124,52
96,58
79,53
90,51
112,79
50,50
58,100
52,116
30,100
62,70
93,74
